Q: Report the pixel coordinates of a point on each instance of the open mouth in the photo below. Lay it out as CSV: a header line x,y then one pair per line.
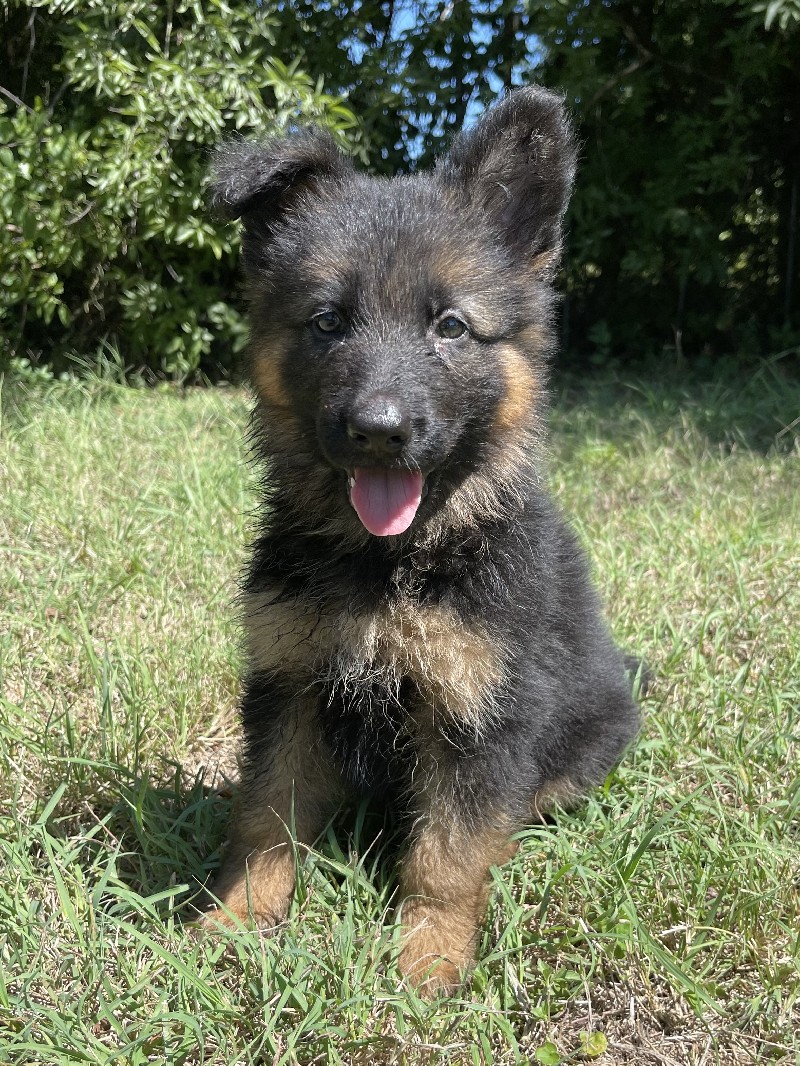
x,y
385,500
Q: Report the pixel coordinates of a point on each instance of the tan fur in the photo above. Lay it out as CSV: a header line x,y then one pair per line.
x,y
256,883
505,477
454,268
522,393
559,793
535,339
546,263
445,883
265,371
296,791
456,667
320,271
286,635
485,495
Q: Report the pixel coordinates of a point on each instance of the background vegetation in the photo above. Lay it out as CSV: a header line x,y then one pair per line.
x,y
683,231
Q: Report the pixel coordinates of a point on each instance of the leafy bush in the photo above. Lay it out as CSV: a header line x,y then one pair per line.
x,y
683,232
104,233
683,229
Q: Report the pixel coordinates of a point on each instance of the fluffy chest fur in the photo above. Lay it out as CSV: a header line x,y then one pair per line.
x,y
455,666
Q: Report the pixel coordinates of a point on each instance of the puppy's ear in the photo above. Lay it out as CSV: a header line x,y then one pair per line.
x,y
516,165
259,182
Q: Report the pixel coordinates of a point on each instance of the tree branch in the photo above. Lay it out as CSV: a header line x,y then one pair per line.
x,y
15,99
631,68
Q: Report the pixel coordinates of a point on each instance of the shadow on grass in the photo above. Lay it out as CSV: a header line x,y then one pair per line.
x,y
724,408
170,832
174,834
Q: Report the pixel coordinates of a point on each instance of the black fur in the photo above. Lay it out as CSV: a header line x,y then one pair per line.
x,y
522,688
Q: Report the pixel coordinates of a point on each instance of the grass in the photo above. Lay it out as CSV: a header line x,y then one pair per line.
x,y
657,924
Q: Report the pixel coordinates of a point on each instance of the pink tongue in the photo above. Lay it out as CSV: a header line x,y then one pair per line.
x,y
386,500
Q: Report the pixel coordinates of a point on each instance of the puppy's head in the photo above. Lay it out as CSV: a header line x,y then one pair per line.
x,y
399,326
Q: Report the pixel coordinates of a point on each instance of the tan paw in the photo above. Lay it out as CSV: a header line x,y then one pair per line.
x,y
216,918
430,975
238,908
438,948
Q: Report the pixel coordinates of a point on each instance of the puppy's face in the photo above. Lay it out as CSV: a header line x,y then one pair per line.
x,y
397,325
394,318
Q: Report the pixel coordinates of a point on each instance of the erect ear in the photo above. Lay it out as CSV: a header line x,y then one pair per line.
x,y
516,165
259,182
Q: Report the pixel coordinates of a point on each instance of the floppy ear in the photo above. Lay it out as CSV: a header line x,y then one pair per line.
x,y
516,165
259,182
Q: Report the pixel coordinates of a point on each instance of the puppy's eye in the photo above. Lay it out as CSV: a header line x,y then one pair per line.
x,y
328,322
451,327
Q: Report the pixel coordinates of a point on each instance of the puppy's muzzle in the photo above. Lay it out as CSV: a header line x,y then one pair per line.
x,y
379,426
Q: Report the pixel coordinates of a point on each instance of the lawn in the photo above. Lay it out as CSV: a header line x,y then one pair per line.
x,y
658,923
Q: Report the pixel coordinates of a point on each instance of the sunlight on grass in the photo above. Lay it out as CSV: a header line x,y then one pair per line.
x,y
657,923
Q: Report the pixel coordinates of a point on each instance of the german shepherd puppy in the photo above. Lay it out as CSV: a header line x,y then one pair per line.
x,y
420,624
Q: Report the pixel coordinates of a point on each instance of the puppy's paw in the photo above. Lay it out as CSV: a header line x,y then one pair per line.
x,y
438,949
432,976
240,908
214,919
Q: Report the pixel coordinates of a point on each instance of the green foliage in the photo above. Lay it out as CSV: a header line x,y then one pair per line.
x,y
684,228
413,70
684,232
104,231
782,12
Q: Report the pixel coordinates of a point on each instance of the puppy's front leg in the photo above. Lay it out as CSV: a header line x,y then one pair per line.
x,y
289,786
445,887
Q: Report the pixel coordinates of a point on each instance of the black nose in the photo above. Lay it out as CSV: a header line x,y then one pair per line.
x,y
379,424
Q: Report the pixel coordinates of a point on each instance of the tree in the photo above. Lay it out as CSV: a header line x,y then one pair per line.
x,y
412,70
109,111
684,224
